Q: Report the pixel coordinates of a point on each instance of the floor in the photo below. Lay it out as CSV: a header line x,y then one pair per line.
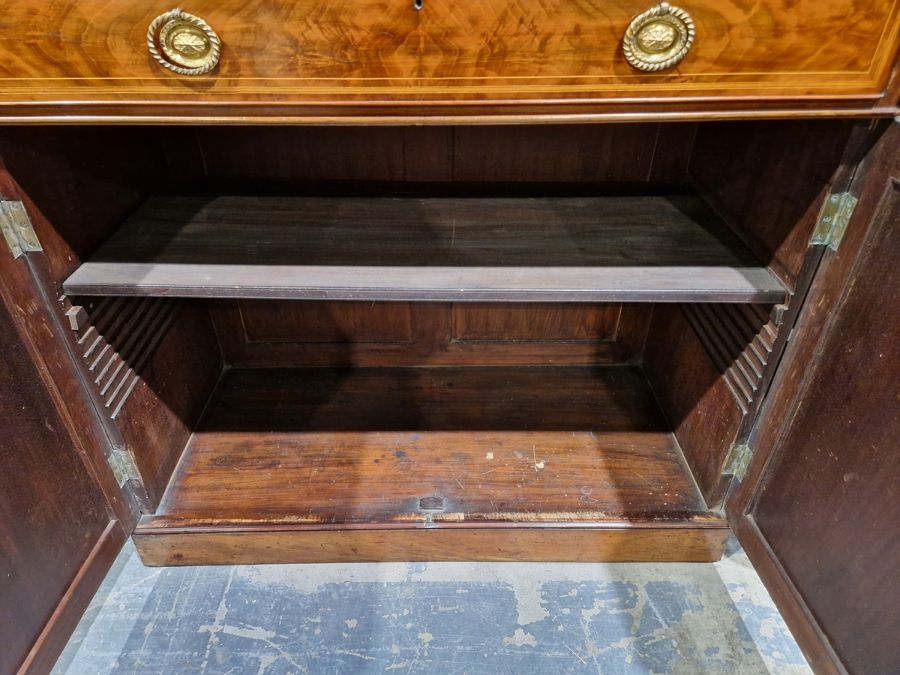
x,y
435,618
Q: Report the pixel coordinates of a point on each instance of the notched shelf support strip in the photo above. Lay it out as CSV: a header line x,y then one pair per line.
x,y
117,337
739,339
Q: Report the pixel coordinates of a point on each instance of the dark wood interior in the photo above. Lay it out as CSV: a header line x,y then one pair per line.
x,y
769,181
479,281
412,447
345,248
632,405
43,472
819,512
275,333
292,464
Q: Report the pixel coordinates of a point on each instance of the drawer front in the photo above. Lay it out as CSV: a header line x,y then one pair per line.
x,y
311,52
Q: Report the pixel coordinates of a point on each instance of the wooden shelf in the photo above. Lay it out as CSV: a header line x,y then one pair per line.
x,y
616,249
518,463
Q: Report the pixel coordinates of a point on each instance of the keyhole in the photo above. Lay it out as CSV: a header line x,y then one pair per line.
x,y
418,4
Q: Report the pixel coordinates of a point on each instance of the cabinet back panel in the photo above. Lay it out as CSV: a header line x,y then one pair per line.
x,y
514,323
272,333
254,157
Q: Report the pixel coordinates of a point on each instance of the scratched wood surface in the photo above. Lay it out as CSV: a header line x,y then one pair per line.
x,y
407,446
382,60
622,542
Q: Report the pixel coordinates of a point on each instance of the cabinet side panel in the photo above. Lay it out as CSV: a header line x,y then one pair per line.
x,y
149,366
170,392
694,395
78,184
769,181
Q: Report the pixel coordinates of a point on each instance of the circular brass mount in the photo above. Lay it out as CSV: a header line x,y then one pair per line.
x,y
183,43
659,38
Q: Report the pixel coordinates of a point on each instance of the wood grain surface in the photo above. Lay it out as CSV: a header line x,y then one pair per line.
x,y
332,447
53,513
771,183
350,464
826,508
694,395
174,385
381,60
587,249
241,160
619,542
291,333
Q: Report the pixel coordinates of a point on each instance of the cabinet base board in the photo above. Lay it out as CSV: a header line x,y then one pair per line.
x,y
616,543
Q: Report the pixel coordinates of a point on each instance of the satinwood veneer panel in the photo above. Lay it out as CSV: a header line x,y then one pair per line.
x,y
381,60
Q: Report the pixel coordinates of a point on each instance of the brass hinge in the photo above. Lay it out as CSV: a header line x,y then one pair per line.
x,y
123,467
833,220
17,229
737,461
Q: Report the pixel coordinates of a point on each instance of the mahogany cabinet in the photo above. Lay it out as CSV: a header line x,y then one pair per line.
x,y
307,282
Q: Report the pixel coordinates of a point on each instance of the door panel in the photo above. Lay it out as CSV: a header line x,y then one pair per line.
x,y
54,518
831,504
822,526
63,516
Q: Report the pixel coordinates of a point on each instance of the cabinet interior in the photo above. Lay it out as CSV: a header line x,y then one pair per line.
x,y
354,335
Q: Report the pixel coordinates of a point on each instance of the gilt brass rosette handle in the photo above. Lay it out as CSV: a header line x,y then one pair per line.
x,y
659,38
184,43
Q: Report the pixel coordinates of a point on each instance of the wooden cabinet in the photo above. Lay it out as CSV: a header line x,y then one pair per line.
x,y
448,61
241,339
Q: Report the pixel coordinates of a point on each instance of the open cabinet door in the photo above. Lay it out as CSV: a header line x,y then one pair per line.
x,y
62,516
94,421
819,510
